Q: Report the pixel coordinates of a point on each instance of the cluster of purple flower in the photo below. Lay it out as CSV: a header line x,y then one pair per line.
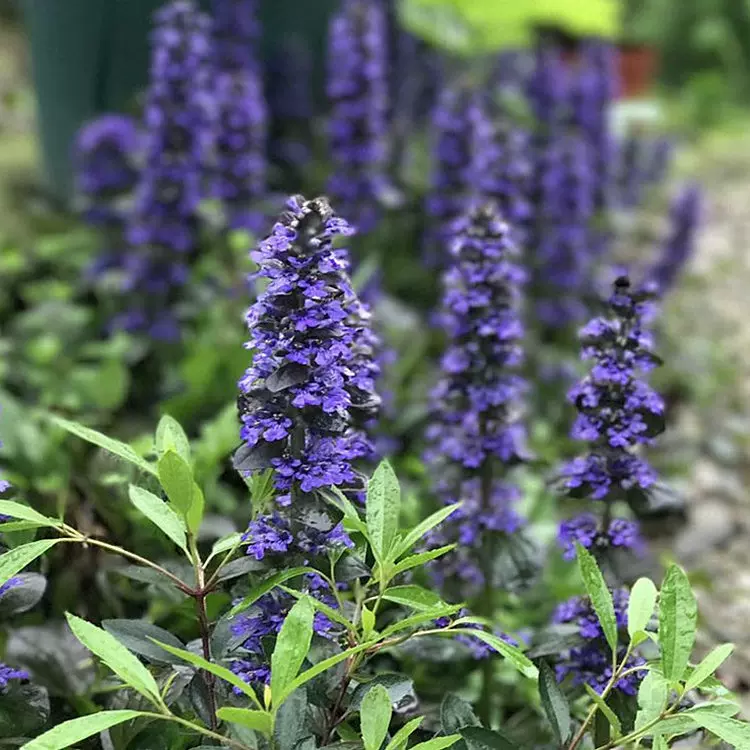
x,y
476,403
358,126
591,662
264,620
586,530
311,385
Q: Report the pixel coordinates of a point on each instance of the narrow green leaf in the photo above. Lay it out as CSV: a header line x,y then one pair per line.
x,y
554,703
25,513
399,740
71,732
732,731
516,657
368,621
176,477
599,593
292,646
10,526
329,612
215,669
352,519
479,738
641,605
415,620
421,558
686,721
422,528
112,653
709,665
437,743
382,510
225,544
258,721
608,713
375,717
138,636
17,559
171,436
413,596
678,615
652,698
268,585
160,514
123,450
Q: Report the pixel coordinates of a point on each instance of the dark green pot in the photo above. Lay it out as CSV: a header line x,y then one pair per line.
x,y
91,56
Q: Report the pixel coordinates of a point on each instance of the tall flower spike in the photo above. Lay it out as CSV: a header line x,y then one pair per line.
x,y
106,156
358,125
685,216
618,412
476,404
310,388
163,230
236,33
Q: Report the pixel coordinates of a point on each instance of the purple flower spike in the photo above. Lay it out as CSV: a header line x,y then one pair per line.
x,y
586,530
476,404
163,230
310,389
617,410
685,219
358,92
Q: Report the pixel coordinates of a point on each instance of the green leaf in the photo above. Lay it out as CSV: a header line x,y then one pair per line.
x,y
368,621
171,436
267,585
160,514
479,738
215,669
382,511
176,477
71,732
140,637
413,596
709,665
112,653
123,450
437,743
423,528
375,717
225,544
641,605
455,714
511,653
292,646
329,612
17,559
599,593
352,520
399,740
554,703
25,513
732,731
258,721
652,698
414,561
415,620
678,614
608,713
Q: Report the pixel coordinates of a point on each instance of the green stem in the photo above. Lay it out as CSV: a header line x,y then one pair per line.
x,y
637,734
486,605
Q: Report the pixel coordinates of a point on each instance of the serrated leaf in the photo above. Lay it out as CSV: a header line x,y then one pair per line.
x,y
399,740
422,528
421,558
140,637
709,665
599,593
516,657
641,605
160,514
414,597
71,732
678,615
554,703
268,585
112,653
215,669
292,647
25,513
608,713
15,560
171,436
258,721
117,448
382,511
375,717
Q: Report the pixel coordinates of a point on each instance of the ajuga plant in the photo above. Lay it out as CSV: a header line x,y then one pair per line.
x,y
241,129
677,249
358,92
163,227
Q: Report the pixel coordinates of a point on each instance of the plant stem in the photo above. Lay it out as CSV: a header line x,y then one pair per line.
x,y
486,604
200,729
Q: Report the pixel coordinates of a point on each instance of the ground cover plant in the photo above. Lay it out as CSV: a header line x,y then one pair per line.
x,y
400,505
